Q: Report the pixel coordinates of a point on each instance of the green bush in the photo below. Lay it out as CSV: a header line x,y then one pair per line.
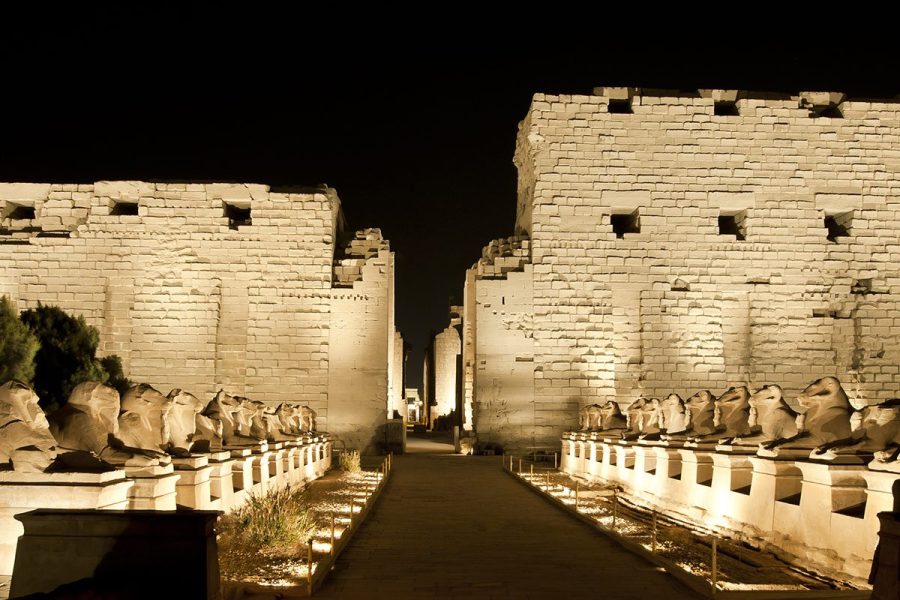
x,y
18,345
275,519
67,354
350,461
112,364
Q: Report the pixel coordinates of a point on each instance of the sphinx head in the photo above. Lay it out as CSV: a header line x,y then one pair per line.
x,y
100,401
825,393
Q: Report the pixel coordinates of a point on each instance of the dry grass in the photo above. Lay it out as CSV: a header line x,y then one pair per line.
x,y
350,462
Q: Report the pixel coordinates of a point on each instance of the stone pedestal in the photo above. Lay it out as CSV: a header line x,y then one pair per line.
x,y
242,473
154,487
193,488
221,484
260,465
22,492
885,575
144,554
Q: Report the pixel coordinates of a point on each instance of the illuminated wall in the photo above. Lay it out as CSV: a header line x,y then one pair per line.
x,y
204,286
681,242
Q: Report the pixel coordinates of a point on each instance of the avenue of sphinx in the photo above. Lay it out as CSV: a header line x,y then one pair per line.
x,y
807,483
149,451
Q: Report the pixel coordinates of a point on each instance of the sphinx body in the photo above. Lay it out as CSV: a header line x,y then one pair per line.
x,y
701,414
827,415
651,420
256,411
633,419
183,421
288,417
219,423
875,432
274,427
144,421
589,417
611,417
775,419
25,437
88,427
307,419
732,415
675,419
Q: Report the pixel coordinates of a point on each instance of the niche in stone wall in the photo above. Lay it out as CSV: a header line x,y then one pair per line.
x,y
733,223
124,208
838,225
623,223
238,215
19,211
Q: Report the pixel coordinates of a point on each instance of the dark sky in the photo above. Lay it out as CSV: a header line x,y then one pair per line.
x,y
417,140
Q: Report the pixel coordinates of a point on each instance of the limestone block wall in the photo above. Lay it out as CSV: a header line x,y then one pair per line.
x,y
396,399
468,350
447,346
675,248
502,304
185,298
208,286
360,333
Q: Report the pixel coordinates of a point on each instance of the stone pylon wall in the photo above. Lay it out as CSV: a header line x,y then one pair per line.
x,y
447,347
189,299
679,306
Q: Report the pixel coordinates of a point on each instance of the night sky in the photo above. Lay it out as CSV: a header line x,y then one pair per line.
x,y
417,140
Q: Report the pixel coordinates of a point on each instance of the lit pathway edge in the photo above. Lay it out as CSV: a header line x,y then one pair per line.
x,y
695,583
319,573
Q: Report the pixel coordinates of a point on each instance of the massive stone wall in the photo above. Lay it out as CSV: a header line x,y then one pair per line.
x,y
686,242
446,348
499,307
202,286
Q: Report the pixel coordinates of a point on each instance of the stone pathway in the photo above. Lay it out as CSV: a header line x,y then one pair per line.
x,y
450,526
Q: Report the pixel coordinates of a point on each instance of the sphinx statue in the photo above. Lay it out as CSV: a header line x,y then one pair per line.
x,y
86,429
674,417
589,417
144,422
307,419
25,438
611,417
875,433
275,427
634,416
651,420
827,415
246,427
254,412
208,434
732,415
183,421
701,415
289,417
772,421
219,423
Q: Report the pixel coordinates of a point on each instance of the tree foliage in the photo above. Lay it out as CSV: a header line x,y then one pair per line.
x,y
67,355
18,345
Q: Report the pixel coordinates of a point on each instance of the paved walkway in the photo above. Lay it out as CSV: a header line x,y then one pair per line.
x,y
450,526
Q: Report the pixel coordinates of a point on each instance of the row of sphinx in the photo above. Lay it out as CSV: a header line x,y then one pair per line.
x,y
828,427
96,430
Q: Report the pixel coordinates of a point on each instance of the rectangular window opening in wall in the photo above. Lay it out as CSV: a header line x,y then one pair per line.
x,y
625,223
725,108
19,212
619,106
838,225
238,216
733,224
124,209
832,112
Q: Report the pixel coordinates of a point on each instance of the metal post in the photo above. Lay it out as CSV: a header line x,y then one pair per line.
x,y
548,481
615,507
532,471
309,562
555,459
520,464
715,565
654,533
332,533
577,486
352,502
